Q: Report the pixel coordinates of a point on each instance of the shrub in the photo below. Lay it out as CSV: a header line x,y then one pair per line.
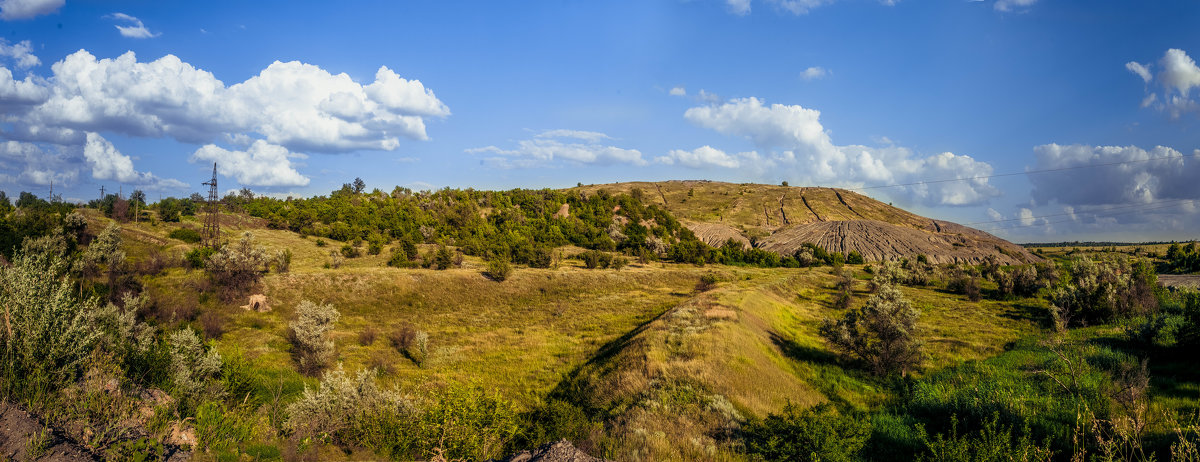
x,y
374,248
213,324
882,333
342,408
499,269
542,257
309,334
367,336
349,251
854,258
443,259
46,333
419,350
845,290
593,259
619,262
188,235
707,282
814,434
964,284
336,260
321,243
195,258
237,267
283,261
193,368
402,338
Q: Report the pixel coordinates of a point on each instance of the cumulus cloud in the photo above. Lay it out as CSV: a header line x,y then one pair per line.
x,y
1178,76
1025,216
813,73
580,147
798,143
1144,176
678,91
295,105
135,29
262,164
108,163
704,156
25,9
21,54
1013,5
27,164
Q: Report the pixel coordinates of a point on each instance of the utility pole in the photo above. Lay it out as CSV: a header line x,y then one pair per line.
x,y
212,218
101,192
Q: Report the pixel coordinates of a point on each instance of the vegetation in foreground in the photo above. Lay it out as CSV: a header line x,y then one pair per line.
x,y
135,345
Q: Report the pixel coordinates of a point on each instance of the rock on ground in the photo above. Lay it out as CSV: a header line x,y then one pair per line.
x,y
561,451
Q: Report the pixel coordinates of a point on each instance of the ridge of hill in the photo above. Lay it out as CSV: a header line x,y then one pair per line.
x,y
783,218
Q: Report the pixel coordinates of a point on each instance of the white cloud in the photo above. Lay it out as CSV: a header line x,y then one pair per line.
x,y
1143,177
577,134
702,157
1026,216
799,7
108,163
1013,5
25,9
994,215
813,73
575,146
797,141
678,91
21,53
707,97
1141,70
1178,77
263,164
295,105
738,7
27,164
136,30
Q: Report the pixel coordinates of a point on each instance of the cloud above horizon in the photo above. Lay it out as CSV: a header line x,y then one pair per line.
x,y
801,149
135,29
292,107
26,9
1178,76
549,147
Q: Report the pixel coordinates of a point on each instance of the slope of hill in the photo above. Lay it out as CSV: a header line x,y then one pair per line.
x,y
782,218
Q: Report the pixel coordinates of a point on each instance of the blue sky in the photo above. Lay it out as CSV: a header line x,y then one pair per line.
x,y
298,98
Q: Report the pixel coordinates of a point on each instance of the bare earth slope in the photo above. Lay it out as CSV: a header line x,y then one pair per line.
x,y
782,218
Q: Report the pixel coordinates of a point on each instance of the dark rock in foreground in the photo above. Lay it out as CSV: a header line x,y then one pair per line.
x,y
561,451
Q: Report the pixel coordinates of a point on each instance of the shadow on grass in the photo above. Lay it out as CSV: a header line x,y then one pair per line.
x,y
803,353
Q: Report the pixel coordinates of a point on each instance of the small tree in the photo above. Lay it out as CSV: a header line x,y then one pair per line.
x,y
309,334
499,269
235,268
882,333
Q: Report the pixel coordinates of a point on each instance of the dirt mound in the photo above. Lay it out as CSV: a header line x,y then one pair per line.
x,y
23,437
716,234
781,218
562,451
878,241
258,302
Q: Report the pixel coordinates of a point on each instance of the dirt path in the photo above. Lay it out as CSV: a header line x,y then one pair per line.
x,y
23,437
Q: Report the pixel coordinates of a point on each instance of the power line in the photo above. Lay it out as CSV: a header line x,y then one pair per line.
x,y
1047,223
1027,172
1117,207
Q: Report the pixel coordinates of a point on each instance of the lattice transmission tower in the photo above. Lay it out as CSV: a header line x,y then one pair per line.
x,y
212,214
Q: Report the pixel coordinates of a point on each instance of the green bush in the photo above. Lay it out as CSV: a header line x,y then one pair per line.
x,y
196,258
188,235
350,251
854,258
499,269
814,434
707,282
883,333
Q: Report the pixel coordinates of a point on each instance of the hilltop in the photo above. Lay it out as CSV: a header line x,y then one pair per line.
x,y
783,218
